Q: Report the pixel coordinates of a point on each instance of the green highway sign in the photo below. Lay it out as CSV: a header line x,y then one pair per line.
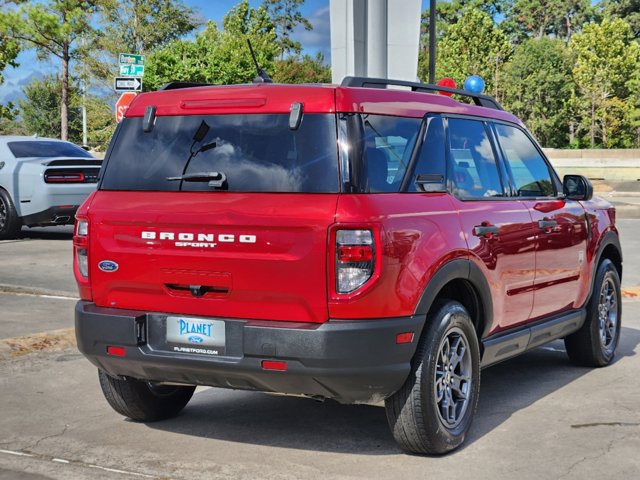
x,y
132,70
131,59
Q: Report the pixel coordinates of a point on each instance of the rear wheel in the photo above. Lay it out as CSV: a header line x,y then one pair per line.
x,y
594,345
144,401
433,410
9,221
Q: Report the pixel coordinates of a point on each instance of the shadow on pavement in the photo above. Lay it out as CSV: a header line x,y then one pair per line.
x,y
290,422
47,233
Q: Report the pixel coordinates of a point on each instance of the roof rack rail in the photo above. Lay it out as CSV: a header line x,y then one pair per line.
x,y
366,82
177,85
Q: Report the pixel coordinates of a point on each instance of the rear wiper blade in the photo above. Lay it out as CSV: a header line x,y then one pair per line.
x,y
215,179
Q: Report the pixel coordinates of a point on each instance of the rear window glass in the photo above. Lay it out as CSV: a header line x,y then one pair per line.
x,y
252,153
46,149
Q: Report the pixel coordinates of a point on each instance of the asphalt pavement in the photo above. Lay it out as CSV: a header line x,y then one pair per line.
x,y
539,416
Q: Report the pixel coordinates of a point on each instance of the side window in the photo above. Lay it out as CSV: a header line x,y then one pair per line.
x,y
473,172
528,169
432,160
388,143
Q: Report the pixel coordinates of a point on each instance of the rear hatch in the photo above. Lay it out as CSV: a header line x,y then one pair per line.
x,y
217,215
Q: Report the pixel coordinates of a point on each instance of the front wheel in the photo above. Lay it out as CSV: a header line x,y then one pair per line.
x,y
433,410
144,401
594,345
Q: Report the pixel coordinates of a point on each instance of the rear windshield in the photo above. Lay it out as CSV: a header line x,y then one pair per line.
x,y
238,153
46,149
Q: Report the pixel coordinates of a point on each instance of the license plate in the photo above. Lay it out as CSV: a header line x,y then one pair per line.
x,y
198,335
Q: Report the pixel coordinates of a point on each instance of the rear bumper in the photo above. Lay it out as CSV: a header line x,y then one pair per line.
x,y
349,361
52,216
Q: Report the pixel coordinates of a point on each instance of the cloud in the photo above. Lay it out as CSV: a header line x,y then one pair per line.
x,y
318,39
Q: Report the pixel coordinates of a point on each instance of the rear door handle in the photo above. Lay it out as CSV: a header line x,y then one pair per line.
x,y
486,231
547,225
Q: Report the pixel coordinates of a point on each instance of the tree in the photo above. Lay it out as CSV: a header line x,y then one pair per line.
x,y
40,113
40,109
135,26
633,85
286,16
539,18
601,73
304,69
627,10
537,81
214,56
52,28
447,14
473,46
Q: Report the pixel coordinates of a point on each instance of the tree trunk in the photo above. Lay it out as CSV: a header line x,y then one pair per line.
x,y
568,23
64,102
572,132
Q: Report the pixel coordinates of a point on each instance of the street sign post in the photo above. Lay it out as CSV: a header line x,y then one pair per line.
x,y
123,103
131,70
127,84
131,59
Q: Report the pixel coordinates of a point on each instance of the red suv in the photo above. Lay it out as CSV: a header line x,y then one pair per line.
x,y
356,242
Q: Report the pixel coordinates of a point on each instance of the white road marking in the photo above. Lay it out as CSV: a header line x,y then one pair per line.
x,y
17,454
124,472
69,462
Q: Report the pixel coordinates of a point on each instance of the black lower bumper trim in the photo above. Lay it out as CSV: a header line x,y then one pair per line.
x,y
51,216
349,361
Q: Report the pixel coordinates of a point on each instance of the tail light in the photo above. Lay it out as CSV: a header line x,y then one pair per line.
x,y
81,254
63,176
355,259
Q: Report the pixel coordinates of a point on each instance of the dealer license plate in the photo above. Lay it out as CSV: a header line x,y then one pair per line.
x,y
196,335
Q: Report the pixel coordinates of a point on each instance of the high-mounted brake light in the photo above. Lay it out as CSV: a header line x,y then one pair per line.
x,y
355,259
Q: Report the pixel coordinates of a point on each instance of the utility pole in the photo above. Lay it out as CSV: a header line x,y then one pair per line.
x,y
432,41
84,102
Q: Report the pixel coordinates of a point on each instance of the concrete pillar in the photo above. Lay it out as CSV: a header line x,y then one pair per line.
x,y
403,39
375,38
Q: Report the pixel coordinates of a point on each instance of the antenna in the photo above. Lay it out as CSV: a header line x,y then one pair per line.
x,y
262,77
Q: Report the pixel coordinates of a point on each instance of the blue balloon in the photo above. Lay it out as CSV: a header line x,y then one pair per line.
x,y
474,84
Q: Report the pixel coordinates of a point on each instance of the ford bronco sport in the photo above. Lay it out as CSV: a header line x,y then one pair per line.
x,y
356,242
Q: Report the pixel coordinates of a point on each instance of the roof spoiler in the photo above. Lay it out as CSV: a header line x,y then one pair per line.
x,y
366,82
177,85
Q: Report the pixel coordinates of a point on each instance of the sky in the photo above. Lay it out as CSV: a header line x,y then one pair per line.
x,y
317,40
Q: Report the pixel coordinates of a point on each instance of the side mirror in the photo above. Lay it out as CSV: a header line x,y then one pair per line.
x,y
577,187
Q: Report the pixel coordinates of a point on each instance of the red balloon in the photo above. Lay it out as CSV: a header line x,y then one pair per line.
x,y
446,82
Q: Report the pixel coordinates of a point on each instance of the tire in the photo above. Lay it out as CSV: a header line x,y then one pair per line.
x,y
419,422
142,401
10,223
594,345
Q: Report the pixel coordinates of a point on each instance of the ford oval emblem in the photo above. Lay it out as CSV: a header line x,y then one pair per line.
x,y
108,266
194,339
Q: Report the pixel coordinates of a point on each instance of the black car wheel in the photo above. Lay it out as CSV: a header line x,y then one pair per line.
x,y
433,410
9,221
594,345
144,401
